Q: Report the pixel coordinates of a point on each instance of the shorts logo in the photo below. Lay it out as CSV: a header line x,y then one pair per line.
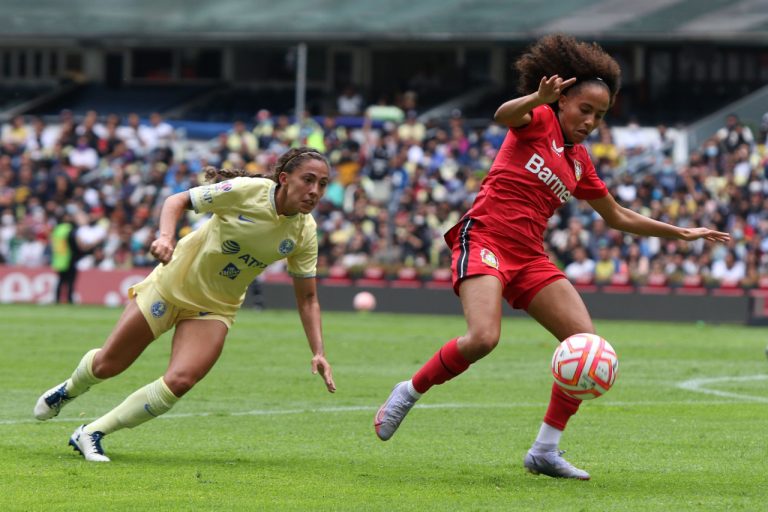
x,y
230,247
158,309
577,169
286,246
230,271
224,186
489,258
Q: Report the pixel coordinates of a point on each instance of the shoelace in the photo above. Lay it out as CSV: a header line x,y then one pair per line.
x,y
57,398
95,439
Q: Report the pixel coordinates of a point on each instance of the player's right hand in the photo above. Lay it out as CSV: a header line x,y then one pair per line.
x,y
162,249
551,88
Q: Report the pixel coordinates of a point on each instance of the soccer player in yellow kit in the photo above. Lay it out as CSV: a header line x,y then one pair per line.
x,y
200,285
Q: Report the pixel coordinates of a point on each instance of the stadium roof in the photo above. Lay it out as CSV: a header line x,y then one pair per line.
x,y
388,20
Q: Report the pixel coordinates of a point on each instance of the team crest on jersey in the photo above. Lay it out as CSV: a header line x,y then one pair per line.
x,y
489,258
158,309
230,271
230,247
577,169
286,246
224,186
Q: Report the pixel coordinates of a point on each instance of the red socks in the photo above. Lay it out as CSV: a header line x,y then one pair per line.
x,y
446,364
561,408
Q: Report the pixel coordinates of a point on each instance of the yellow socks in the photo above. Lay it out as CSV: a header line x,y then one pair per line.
x,y
148,402
82,378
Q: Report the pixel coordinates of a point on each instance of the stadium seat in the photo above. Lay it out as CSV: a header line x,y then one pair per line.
x,y
656,285
277,278
441,279
691,285
729,288
373,277
338,275
585,284
762,288
407,277
620,283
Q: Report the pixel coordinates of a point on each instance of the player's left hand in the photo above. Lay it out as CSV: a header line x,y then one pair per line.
x,y
320,365
705,233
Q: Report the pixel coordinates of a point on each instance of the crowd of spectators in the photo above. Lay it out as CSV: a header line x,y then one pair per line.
x,y
398,183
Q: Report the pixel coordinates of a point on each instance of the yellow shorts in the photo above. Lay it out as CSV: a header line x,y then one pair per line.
x,y
161,315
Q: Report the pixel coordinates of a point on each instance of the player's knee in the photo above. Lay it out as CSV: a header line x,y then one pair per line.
x,y
180,382
104,367
483,341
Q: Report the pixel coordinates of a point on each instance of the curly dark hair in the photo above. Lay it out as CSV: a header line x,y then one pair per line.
x,y
566,56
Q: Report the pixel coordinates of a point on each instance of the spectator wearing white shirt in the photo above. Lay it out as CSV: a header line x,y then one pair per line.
x,y
83,156
728,270
349,102
582,268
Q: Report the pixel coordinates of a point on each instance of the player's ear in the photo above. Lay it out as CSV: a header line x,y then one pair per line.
x,y
282,178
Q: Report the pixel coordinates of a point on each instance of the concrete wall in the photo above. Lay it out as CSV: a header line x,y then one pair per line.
x,y
613,306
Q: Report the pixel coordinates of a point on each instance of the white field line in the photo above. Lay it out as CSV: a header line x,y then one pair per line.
x,y
700,386
733,398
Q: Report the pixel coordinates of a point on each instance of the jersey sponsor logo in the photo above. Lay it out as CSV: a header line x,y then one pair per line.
x,y
207,194
489,258
230,247
250,261
158,309
549,178
286,246
246,219
557,150
230,271
577,169
224,186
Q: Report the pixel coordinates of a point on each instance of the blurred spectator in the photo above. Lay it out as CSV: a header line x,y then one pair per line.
x,y
582,268
728,270
349,102
734,134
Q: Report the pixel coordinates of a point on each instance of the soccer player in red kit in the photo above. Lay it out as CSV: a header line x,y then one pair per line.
x,y
497,246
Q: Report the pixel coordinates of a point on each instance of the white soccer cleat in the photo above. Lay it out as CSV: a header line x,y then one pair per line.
x,y
392,413
88,445
552,464
50,403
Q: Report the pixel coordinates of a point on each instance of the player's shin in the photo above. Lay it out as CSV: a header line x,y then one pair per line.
x,y
561,408
146,403
82,378
446,364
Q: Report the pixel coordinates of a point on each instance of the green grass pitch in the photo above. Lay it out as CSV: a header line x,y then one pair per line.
x,y
683,429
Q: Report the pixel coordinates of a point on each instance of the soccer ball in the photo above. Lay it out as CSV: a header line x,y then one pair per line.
x,y
364,301
585,366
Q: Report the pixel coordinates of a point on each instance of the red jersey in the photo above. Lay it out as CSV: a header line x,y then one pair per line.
x,y
532,176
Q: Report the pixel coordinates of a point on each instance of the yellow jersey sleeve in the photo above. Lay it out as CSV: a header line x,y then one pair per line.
x,y
303,261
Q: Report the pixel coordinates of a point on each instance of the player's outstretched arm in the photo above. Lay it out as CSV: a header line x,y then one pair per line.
x,y
305,290
624,219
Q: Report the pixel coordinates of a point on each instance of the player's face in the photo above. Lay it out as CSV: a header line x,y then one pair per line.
x,y
301,190
582,109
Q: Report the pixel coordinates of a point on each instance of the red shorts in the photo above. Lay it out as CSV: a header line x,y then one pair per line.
x,y
522,272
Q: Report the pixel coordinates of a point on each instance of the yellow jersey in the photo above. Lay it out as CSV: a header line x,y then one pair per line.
x,y
212,267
